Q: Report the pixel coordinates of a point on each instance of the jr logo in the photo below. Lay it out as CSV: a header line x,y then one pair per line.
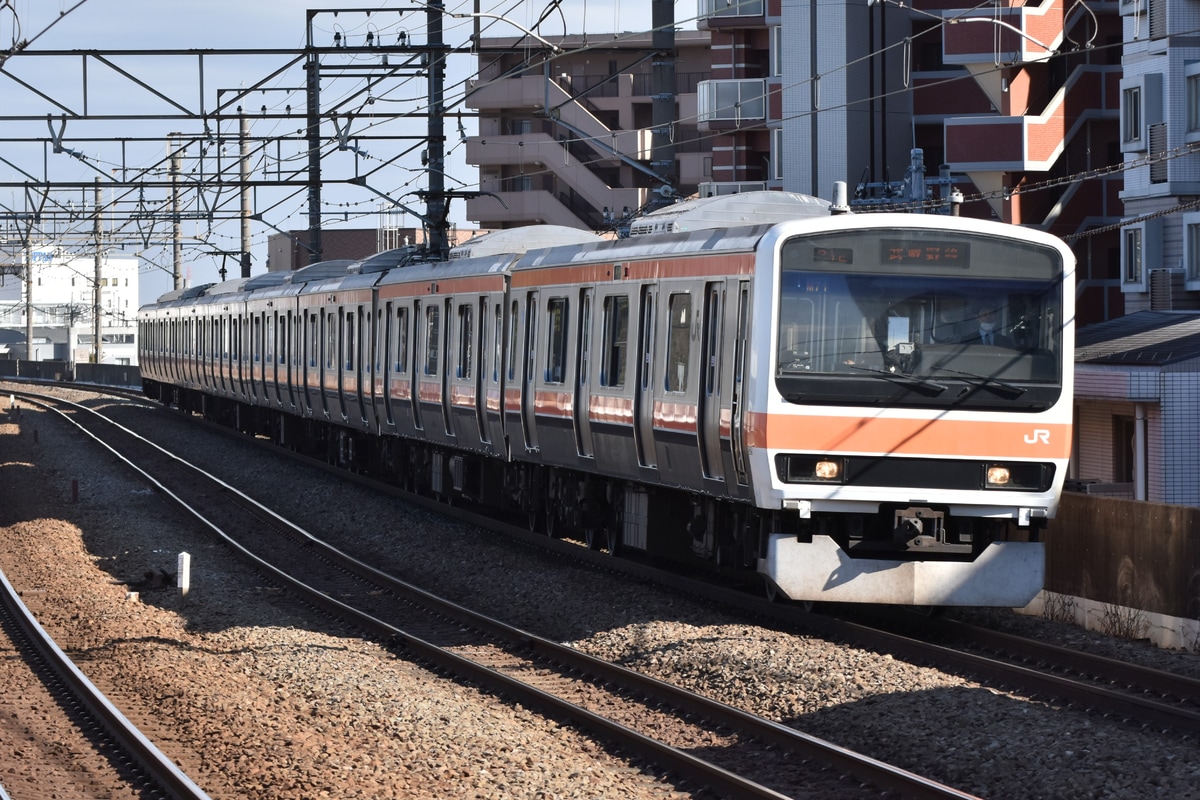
x,y
1038,435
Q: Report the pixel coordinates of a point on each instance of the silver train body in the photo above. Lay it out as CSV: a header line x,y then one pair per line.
x,y
808,399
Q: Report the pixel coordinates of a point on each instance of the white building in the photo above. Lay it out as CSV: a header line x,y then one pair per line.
x,y
64,302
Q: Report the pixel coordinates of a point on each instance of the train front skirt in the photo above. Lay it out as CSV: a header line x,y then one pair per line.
x,y
1006,574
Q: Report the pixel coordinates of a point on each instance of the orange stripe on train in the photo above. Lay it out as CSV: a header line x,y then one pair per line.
x,y
1012,438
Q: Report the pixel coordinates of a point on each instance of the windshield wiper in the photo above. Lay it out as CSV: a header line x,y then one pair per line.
x,y
984,380
932,387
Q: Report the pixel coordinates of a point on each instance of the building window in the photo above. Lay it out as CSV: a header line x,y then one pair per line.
x,y
1141,107
1132,257
734,100
1192,90
776,51
777,154
1191,250
727,8
1131,114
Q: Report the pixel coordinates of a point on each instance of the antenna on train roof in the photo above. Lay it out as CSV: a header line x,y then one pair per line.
x,y
841,199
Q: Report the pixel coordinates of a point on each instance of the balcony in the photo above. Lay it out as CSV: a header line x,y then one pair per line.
x,y
707,10
1010,35
735,101
1031,143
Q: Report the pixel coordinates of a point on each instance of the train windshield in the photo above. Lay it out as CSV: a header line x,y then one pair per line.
x,y
920,318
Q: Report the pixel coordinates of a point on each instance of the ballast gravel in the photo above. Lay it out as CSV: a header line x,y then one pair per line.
x,y
259,696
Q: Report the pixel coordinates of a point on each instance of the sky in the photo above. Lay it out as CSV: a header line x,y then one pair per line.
x,y
37,86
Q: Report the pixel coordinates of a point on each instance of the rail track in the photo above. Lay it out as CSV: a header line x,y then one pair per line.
x,y
74,722
743,755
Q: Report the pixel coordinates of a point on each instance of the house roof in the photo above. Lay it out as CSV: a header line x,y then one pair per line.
x,y
1144,338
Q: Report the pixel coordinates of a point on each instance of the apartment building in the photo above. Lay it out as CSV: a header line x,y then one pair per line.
x,y
565,138
1160,140
1014,104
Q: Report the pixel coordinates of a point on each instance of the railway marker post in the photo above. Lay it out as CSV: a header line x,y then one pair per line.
x,y
184,573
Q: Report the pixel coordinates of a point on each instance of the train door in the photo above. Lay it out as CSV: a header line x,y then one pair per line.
x,y
582,405
498,376
480,375
448,348
362,361
256,356
239,357
383,363
293,354
643,405
737,441
222,353
280,371
420,344
329,355
309,359
347,333
270,359
709,412
529,371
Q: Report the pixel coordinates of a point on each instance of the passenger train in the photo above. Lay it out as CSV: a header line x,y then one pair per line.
x,y
759,384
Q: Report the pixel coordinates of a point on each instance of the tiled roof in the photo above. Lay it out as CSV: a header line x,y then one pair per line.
x,y
1144,338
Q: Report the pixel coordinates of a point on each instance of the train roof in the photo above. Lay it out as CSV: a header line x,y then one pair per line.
x,y
728,210
462,267
657,246
321,270
233,286
186,293
267,280
521,240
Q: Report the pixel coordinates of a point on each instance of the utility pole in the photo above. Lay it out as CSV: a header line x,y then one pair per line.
x,y
176,227
436,211
98,232
28,299
245,152
312,66
662,148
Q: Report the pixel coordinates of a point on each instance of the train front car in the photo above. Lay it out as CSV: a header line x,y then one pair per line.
x,y
913,408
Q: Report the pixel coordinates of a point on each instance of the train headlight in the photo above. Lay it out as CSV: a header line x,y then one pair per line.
x,y
800,468
998,476
828,470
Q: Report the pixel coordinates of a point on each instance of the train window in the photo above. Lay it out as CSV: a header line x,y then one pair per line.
x,y
679,342
360,344
615,343
585,335
330,341
531,324
498,340
401,341
464,342
269,341
512,341
311,322
432,339
556,348
348,343
714,341
647,342
383,345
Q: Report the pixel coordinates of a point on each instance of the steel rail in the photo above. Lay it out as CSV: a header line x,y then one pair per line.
x,y
863,767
